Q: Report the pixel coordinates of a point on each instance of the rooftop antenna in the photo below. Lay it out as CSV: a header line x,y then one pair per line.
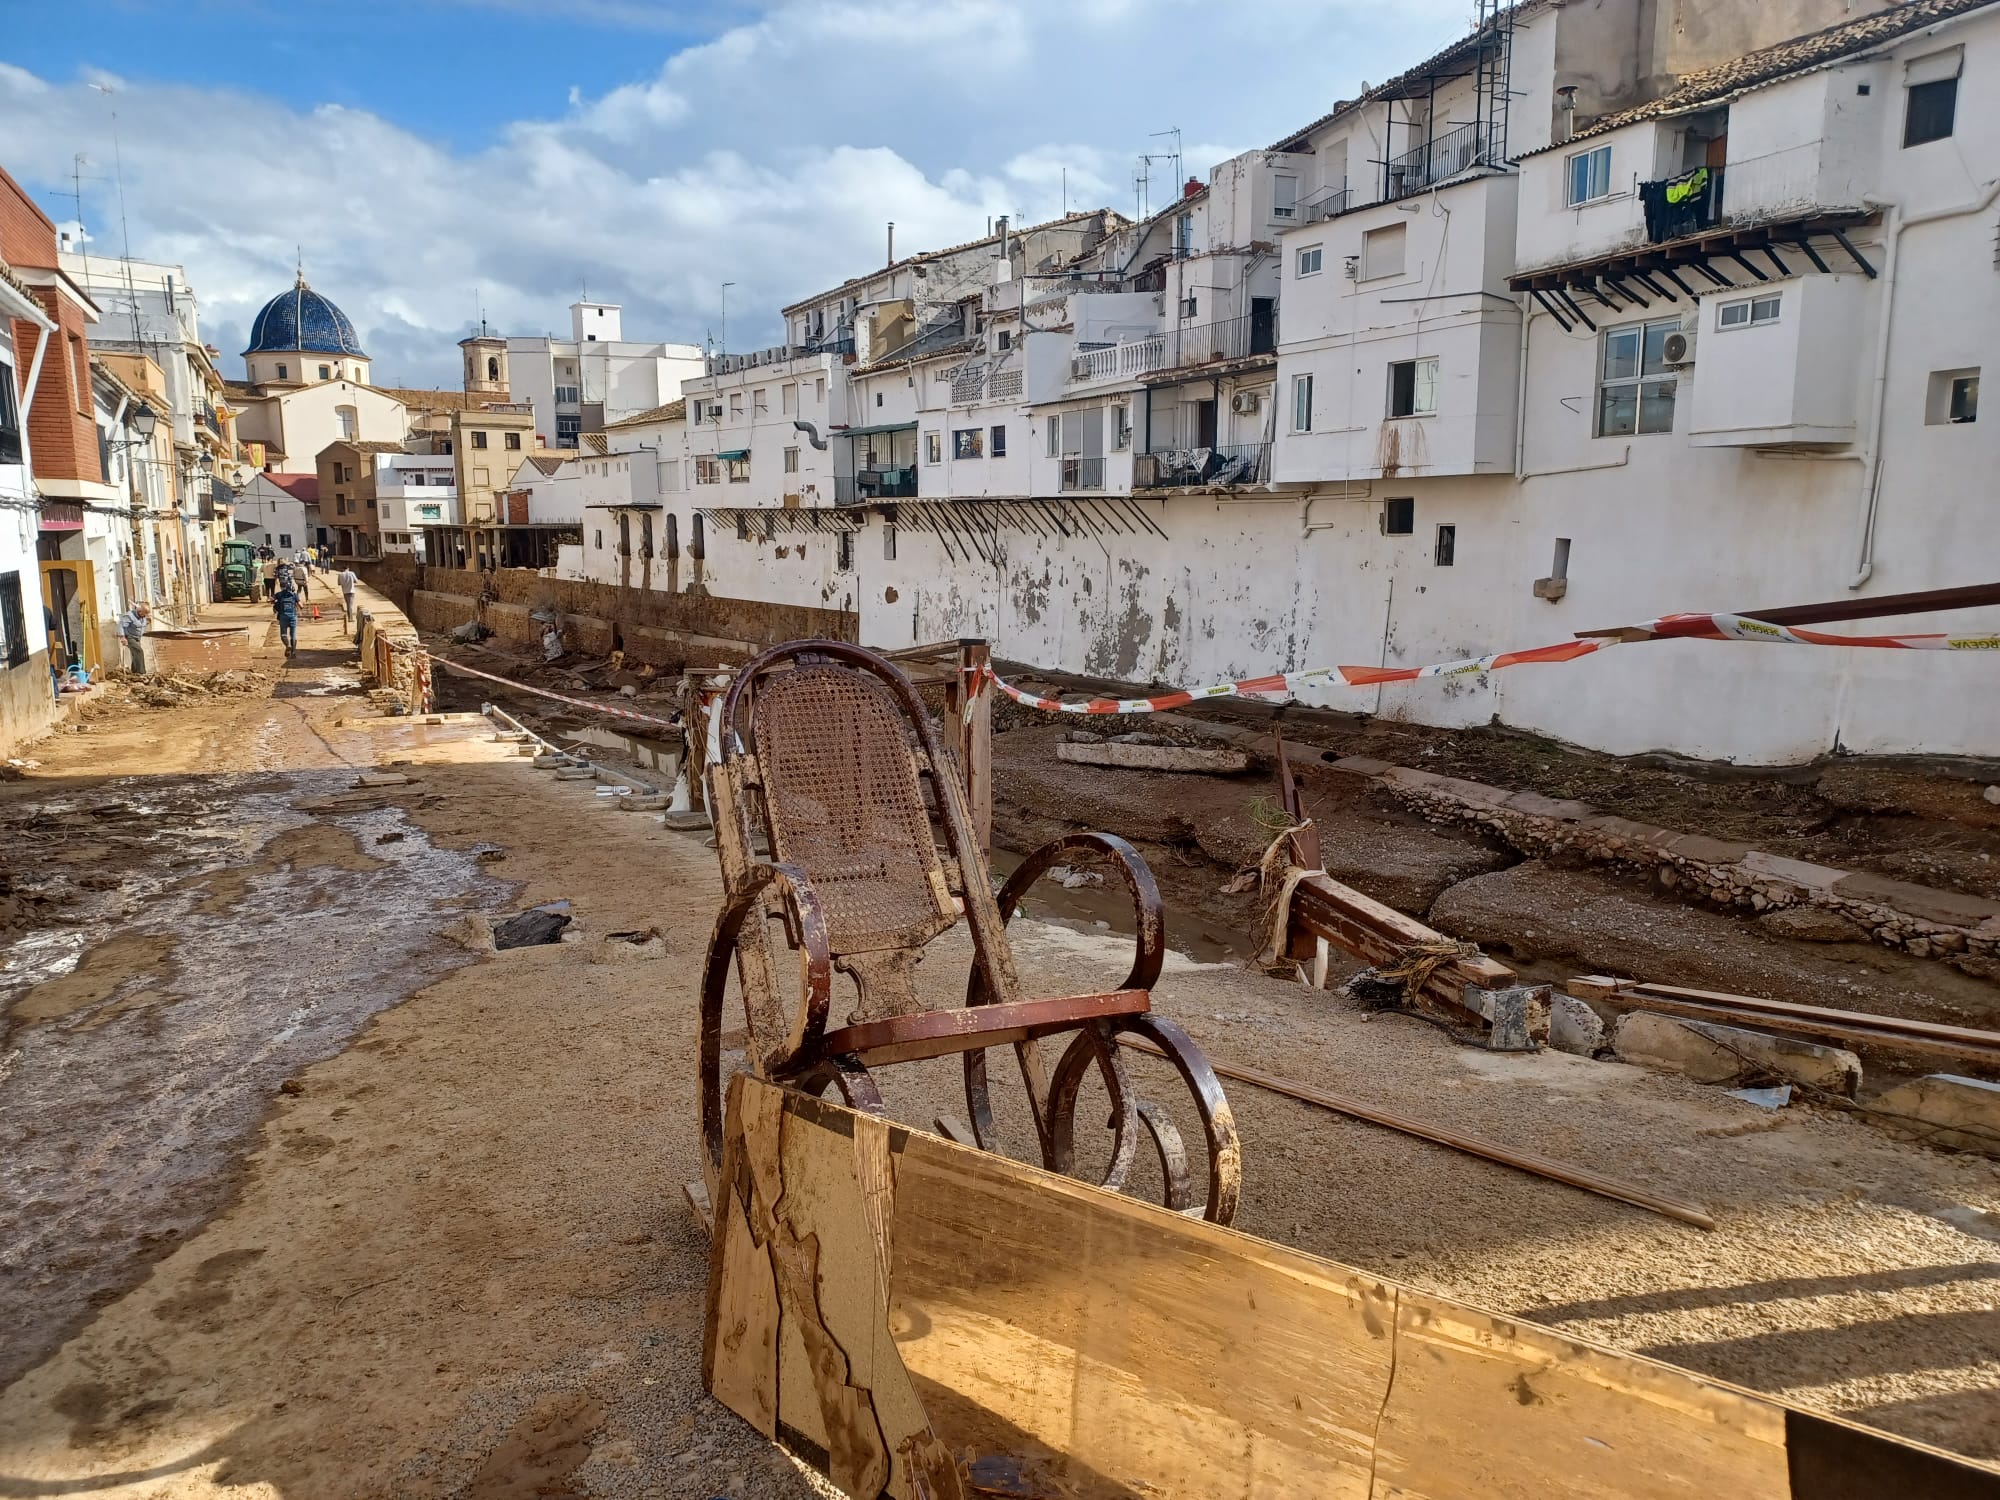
x,y
1065,172
124,228
722,343
1144,177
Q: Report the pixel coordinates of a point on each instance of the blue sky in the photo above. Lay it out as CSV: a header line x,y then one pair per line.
x,y
435,156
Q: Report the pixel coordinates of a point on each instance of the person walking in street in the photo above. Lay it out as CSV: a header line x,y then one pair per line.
x,y
300,581
347,581
285,605
132,626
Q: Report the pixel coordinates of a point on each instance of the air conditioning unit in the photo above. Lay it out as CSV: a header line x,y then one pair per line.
x,y
715,413
1245,403
1677,349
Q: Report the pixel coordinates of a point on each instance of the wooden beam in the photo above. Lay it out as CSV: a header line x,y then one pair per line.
x,y
1868,1029
1377,933
1460,1140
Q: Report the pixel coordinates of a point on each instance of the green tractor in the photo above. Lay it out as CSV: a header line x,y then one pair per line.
x,y
239,575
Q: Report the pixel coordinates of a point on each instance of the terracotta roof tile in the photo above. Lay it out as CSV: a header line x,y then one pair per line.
x,y
1802,54
673,411
299,486
432,400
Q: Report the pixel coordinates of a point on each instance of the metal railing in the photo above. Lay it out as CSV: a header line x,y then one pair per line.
x,y
1457,150
1083,473
874,484
1325,203
777,354
1186,468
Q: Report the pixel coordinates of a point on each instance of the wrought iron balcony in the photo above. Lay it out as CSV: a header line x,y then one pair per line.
x,y
1442,157
1083,473
1190,468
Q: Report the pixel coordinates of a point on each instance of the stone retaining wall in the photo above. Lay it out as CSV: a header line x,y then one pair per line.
x,y
1963,930
391,656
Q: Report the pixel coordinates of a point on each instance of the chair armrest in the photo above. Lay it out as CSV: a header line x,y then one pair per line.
x,y
808,922
1148,916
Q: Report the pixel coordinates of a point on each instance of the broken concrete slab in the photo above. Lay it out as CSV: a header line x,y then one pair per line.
x,y
1155,757
573,772
1943,1109
1361,765
638,802
1574,1026
1710,1053
686,822
1812,924
550,760
383,778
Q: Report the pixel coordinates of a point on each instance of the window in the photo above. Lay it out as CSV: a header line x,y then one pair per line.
x,y
1589,175
1953,399
1635,390
791,460
1188,307
760,401
1399,515
326,372
1302,403
1003,340
1055,438
597,541
1413,387
1310,259
738,470
493,368
933,447
1284,197
1183,236
697,537
646,534
1742,314
843,550
340,504
13,619
878,398
1930,105
10,418
371,502
1382,251
708,471
968,442
430,512
788,399
79,363
735,404
479,440
1121,428
1446,550
513,442
566,393
567,431
819,389
998,444
284,372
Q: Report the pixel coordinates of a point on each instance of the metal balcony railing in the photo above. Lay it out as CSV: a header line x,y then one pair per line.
x,y
1083,473
1186,468
874,484
1441,157
1201,344
1325,203
1680,206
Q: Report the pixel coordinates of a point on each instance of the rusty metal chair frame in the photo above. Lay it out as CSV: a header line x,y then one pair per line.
x,y
847,887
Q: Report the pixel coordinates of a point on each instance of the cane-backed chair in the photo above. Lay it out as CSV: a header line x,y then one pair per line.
x,y
826,757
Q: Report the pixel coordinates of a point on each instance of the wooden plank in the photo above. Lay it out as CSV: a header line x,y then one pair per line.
x,y
1067,1341
1891,1032
1460,1140
975,662
1377,934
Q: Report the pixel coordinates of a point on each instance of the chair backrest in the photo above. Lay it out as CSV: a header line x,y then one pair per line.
x,y
840,741
843,802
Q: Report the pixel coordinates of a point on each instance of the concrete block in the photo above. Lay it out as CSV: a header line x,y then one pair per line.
x,y
576,773
1361,765
1946,1110
550,760
1575,1027
1155,758
639,802
1709,1053
1517,1018
686,821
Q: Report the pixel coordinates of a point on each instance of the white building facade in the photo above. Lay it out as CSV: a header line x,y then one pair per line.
x,y
591,379
414,491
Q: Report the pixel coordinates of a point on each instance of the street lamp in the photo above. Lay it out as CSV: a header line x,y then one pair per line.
x,y
142,422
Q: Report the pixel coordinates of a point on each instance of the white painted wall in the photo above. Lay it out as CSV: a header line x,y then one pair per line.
x,y
265,512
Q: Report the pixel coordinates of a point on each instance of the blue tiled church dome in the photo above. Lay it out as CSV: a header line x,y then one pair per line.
x,y
301,319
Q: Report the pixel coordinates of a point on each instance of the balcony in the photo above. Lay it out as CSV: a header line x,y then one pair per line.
x,y
777,354
1124,361
1442,157
1201,468
870,485
1677,207
1326,204
1083,473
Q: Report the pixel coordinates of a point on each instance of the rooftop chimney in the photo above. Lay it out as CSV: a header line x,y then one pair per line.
x,y
1190,187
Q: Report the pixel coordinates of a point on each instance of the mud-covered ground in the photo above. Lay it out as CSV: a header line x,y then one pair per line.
x,y
438,1249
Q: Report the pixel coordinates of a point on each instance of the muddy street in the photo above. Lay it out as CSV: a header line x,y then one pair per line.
x,y
313,1194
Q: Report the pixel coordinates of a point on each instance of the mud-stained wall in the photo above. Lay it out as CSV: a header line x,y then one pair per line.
x,y
27,700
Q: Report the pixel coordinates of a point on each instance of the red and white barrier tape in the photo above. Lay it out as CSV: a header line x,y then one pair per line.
x,y
602,708
1710,627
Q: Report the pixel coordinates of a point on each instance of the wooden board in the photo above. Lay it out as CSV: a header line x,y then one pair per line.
x,y
997,1330
1377,933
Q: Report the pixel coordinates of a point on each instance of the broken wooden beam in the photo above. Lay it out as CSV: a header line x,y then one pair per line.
x,y
1460,1140
1377,933
1155,757
1891,1032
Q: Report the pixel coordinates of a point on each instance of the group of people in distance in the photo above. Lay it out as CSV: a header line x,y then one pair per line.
x,y
289,584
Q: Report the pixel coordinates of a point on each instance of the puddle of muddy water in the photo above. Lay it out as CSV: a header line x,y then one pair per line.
x,y
122,1118
1109,908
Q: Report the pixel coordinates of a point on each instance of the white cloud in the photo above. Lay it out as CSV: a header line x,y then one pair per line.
x,y
771,156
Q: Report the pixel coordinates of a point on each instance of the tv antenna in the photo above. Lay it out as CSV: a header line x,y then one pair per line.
x,y
1142,179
